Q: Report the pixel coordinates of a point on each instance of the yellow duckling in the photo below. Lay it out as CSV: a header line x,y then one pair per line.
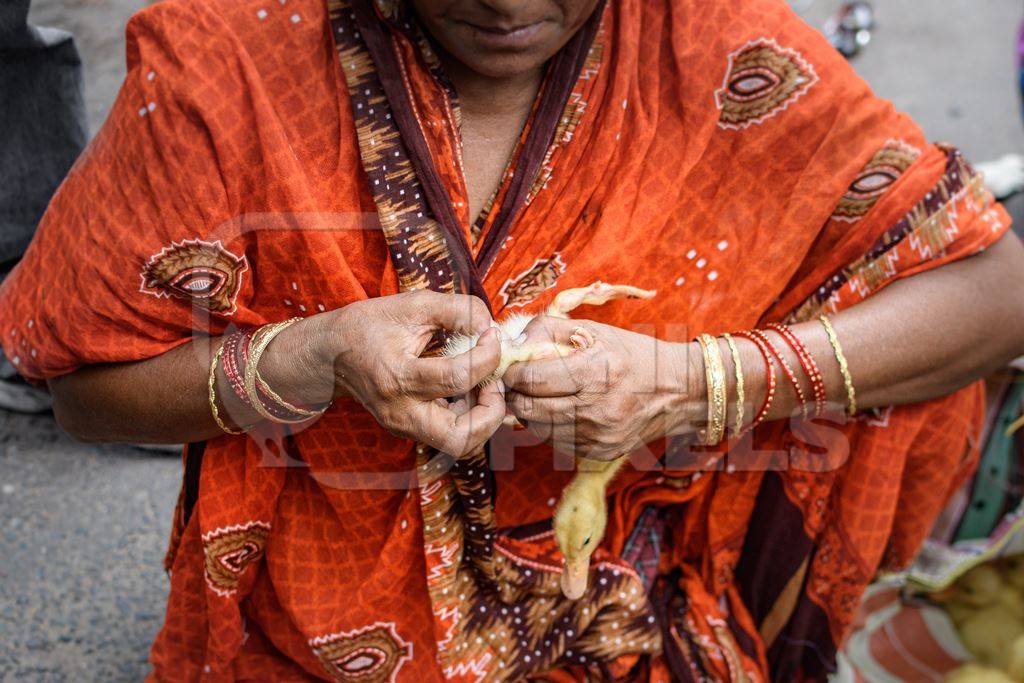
x,y
991,633
1016,666
988,614
973,673
1011,569
580,520
582,514
980,587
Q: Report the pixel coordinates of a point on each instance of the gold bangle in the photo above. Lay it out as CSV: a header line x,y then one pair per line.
x,y
844,369
740,391
259,343
714,369
265,388
212,386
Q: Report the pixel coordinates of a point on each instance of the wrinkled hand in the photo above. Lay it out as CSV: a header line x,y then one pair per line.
x,y
374,347
602,402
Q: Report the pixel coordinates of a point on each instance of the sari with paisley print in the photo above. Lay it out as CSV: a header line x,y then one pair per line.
x,y
721,153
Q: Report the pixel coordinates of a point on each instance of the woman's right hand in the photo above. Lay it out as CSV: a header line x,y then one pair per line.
x,y
368,350
374,347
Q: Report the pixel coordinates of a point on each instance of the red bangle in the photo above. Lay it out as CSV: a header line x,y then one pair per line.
x,y
772,379
233,362
236,348
786,369
808,364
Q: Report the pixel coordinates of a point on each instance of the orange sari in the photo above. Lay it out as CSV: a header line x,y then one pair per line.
x,y
266,160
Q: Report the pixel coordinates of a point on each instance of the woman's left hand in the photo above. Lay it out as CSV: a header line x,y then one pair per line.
x,y
625,390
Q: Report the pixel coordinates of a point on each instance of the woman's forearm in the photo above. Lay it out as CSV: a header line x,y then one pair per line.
x,y
918,339
158,400
165,399
936,332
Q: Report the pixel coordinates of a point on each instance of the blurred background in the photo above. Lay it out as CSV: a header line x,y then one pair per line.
x,y
83,528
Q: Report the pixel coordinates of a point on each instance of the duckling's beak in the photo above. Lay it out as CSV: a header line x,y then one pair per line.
x,y
574,578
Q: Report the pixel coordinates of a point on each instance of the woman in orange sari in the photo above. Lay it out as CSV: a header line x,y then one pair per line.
x,y
387,172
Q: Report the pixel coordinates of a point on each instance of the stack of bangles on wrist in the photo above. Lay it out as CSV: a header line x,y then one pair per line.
x,y
239,357
717,381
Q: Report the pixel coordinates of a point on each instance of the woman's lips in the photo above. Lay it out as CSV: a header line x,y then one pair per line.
x,y
502,38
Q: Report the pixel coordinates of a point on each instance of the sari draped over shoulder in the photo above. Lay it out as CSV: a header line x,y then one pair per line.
x,y
266,160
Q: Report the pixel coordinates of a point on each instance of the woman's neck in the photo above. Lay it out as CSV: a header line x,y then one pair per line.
x,y
494,112
486,96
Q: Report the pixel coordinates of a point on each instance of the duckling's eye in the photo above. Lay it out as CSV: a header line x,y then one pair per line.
x,y
586,541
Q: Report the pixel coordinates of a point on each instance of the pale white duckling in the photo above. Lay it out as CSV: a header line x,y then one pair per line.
x,y
513,346
582,513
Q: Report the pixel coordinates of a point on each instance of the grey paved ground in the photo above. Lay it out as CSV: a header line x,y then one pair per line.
x,y
83,528
98,27
950,65
82,535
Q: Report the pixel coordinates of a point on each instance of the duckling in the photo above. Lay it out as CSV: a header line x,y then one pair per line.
x,y
1016,666
990,634
580,520
582,513
973,673
513,348
1011,569
978,588
988,614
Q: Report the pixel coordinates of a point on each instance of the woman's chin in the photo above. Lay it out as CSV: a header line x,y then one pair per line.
x,y
502,65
